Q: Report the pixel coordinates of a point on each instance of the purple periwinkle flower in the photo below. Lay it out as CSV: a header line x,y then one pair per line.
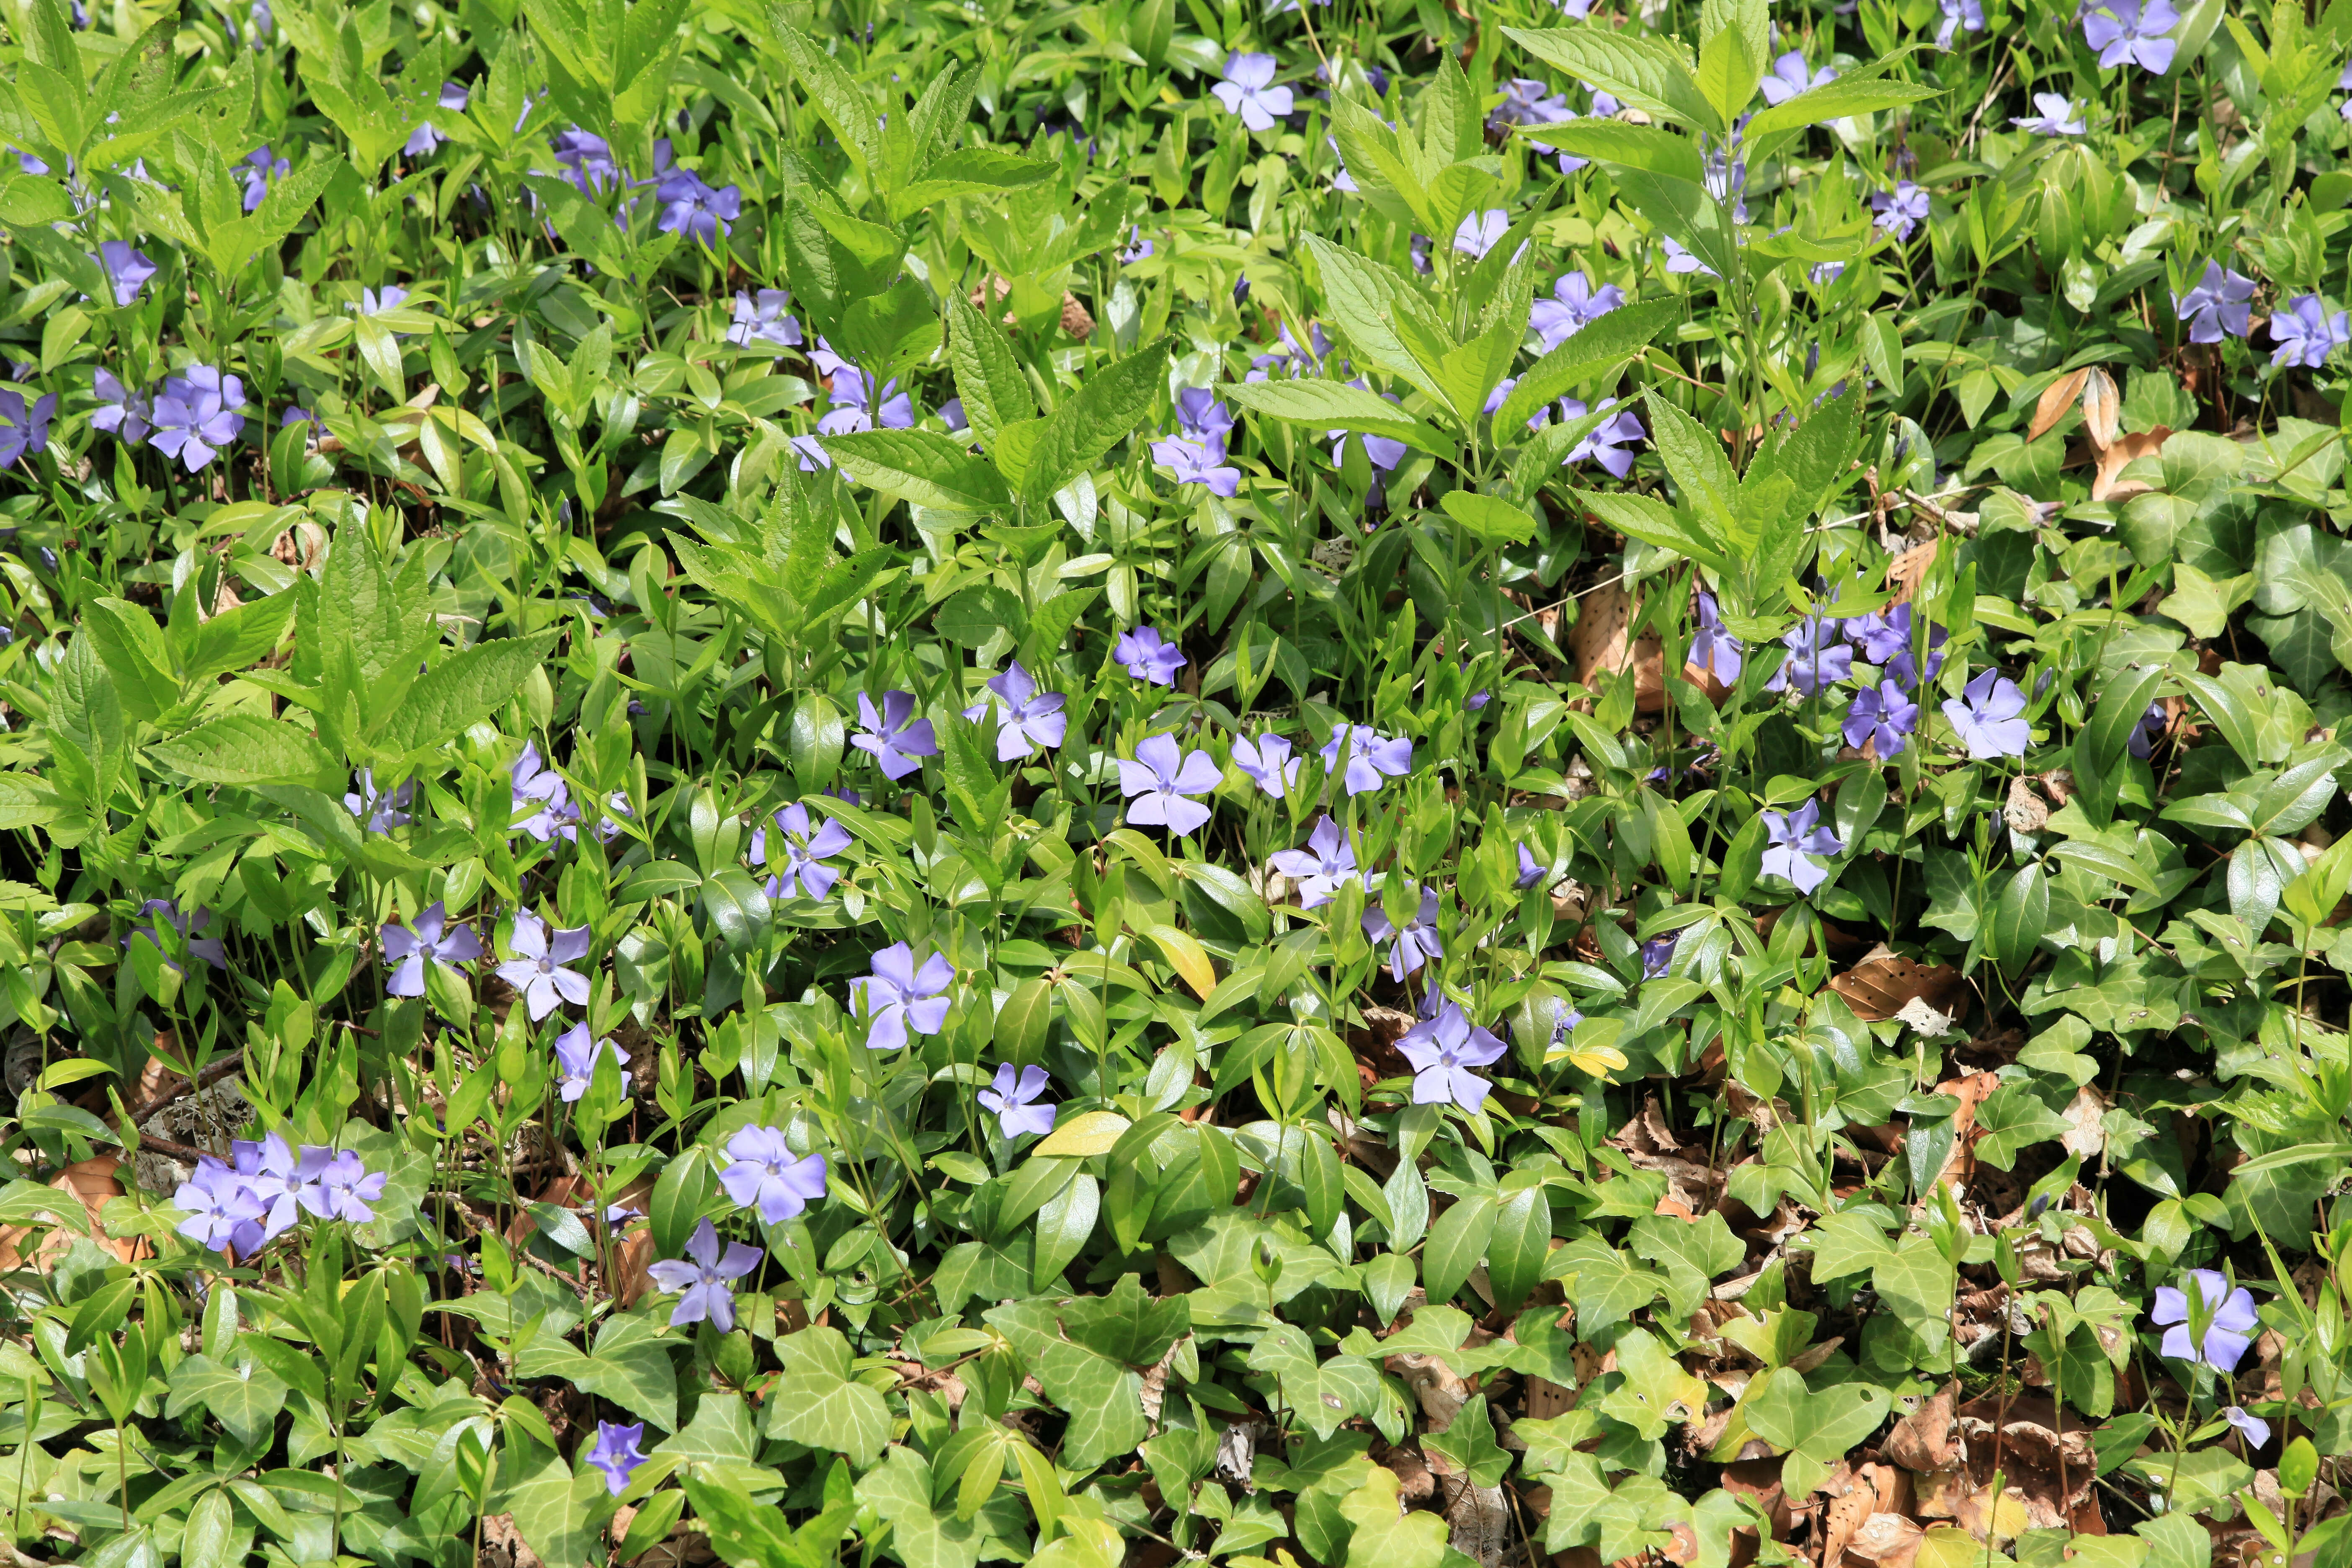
x,y
1013,1098
2054,114
1369,757
197,414
588,156
616,1453
1137,248
2252,1427
1574,305
1249,91
1610,444
1987,717
1267,762
2126,32
1658,955
1288,355
541,789
120,410
1957,15
379,811
23,430
537,972
1480,231
161,911
259,170
691,207
899,996
1816,658
2141,742
1198,463
428,939
1443,1051
1792,840
341,1188
1529,102
127,270
797,850
1788,77
1881,717
1026,718
224,1213
2306,334
855,405
703,1275
2219,306
1158,780
1531,870
895,738
766,1174
761,318
1415,944
1201,417
1901,210
2233,1321
1679,260
576,1050
1321,868
1713,649
1149,657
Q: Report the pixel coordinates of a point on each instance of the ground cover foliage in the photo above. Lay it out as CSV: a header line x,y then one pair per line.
x,y
1375,785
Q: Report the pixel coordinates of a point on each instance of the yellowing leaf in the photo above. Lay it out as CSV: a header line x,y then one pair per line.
x,y
1191,960
1093,1132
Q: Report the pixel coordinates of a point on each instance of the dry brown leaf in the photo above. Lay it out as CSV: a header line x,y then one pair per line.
x,y
1877,987
93,1182
2025,811
2108,484
2102,408
2056,398
1909,570
1598,643
2084,1135
1888,1540
1926,1439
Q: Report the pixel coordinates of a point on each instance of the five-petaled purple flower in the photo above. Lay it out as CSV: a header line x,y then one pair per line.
x,y
23,430
1369,757
576,1051
2233,1322
1480,231
1443,1051
1680,260
1788,77
259,170
2306,334
1574,305
1415,944
2141,742
1149,657
340,1187
899,997
1026,718
2252,1427
1249,91
762,319
796,852
1658,953
160,911
1014,1100
1158,777
1268,762
1987,715
1958,13
1792,839
1198,463
1327,863
1611,442
616,1453
2126,32
537,971
767,1173
1901,210
2219,306
119,409
2055,115
197,414
589,157
127,268
428,939
857,407
691,207
533,784
704,1278
1815,658
379,811
1881,717
894,737
1713,649
1201,417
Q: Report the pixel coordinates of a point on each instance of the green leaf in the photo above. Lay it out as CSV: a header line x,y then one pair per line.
x,y
988,376
245,1400
2009,1120
819,1405
1821,1426
1089,1353
967,172
555,1512
1105,412
923,466
1847,1243
738,907
899,1490
1648,73
1335,405
247,749
1605,1287
1848,95
1590,353
1325,1394
454,693
1469,1447
1456,1242
847,109
2020,915
721,1433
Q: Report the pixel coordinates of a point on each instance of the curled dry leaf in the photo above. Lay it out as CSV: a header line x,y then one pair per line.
x,y
2108,484
2102,408
2055,399
1599,645
1883,981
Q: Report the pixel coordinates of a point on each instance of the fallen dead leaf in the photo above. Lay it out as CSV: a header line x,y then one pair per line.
x,y
1888,1540
1878,986
2055,399
1909,570
2024,811
2084,1135
93,1182
2108,484
2102,408
1598,644
1927,1439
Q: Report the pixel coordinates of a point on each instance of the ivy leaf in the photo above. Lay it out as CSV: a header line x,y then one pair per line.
x,y
1088,1353
1606,1288
1469,1445
820,1404
1693,1253
900,1489
245,1400
555,1511
1325,1393
2009,1119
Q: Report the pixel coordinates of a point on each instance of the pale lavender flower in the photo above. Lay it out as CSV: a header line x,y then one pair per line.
x,y
1901,210
2141,742
1531,870
1149,657
576,1051
23,430
761,318
1712,647
1013,1100
616,1454
1987,715
1267,760
1137,248
1681,260
275,1174
531,784
1575,304
1881,716
2219,305
1529,102
1788,77
691,207
161,911
2306,334
259,170
1370,758
856,407
1249,91
1957,15
343,1188
223,1212
899,997
1480,231
1201,417
429,939
704,1277
1792,840
2126,32
380,811
1816,658
1327,863
1027,719
1611,442
127,270
1160,776
1443,1051
895,738
797,851
2252,1427
588,156
537,971
119,409
2231,1332
1198,463
2056,115
768,1174
197,414
1415,944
